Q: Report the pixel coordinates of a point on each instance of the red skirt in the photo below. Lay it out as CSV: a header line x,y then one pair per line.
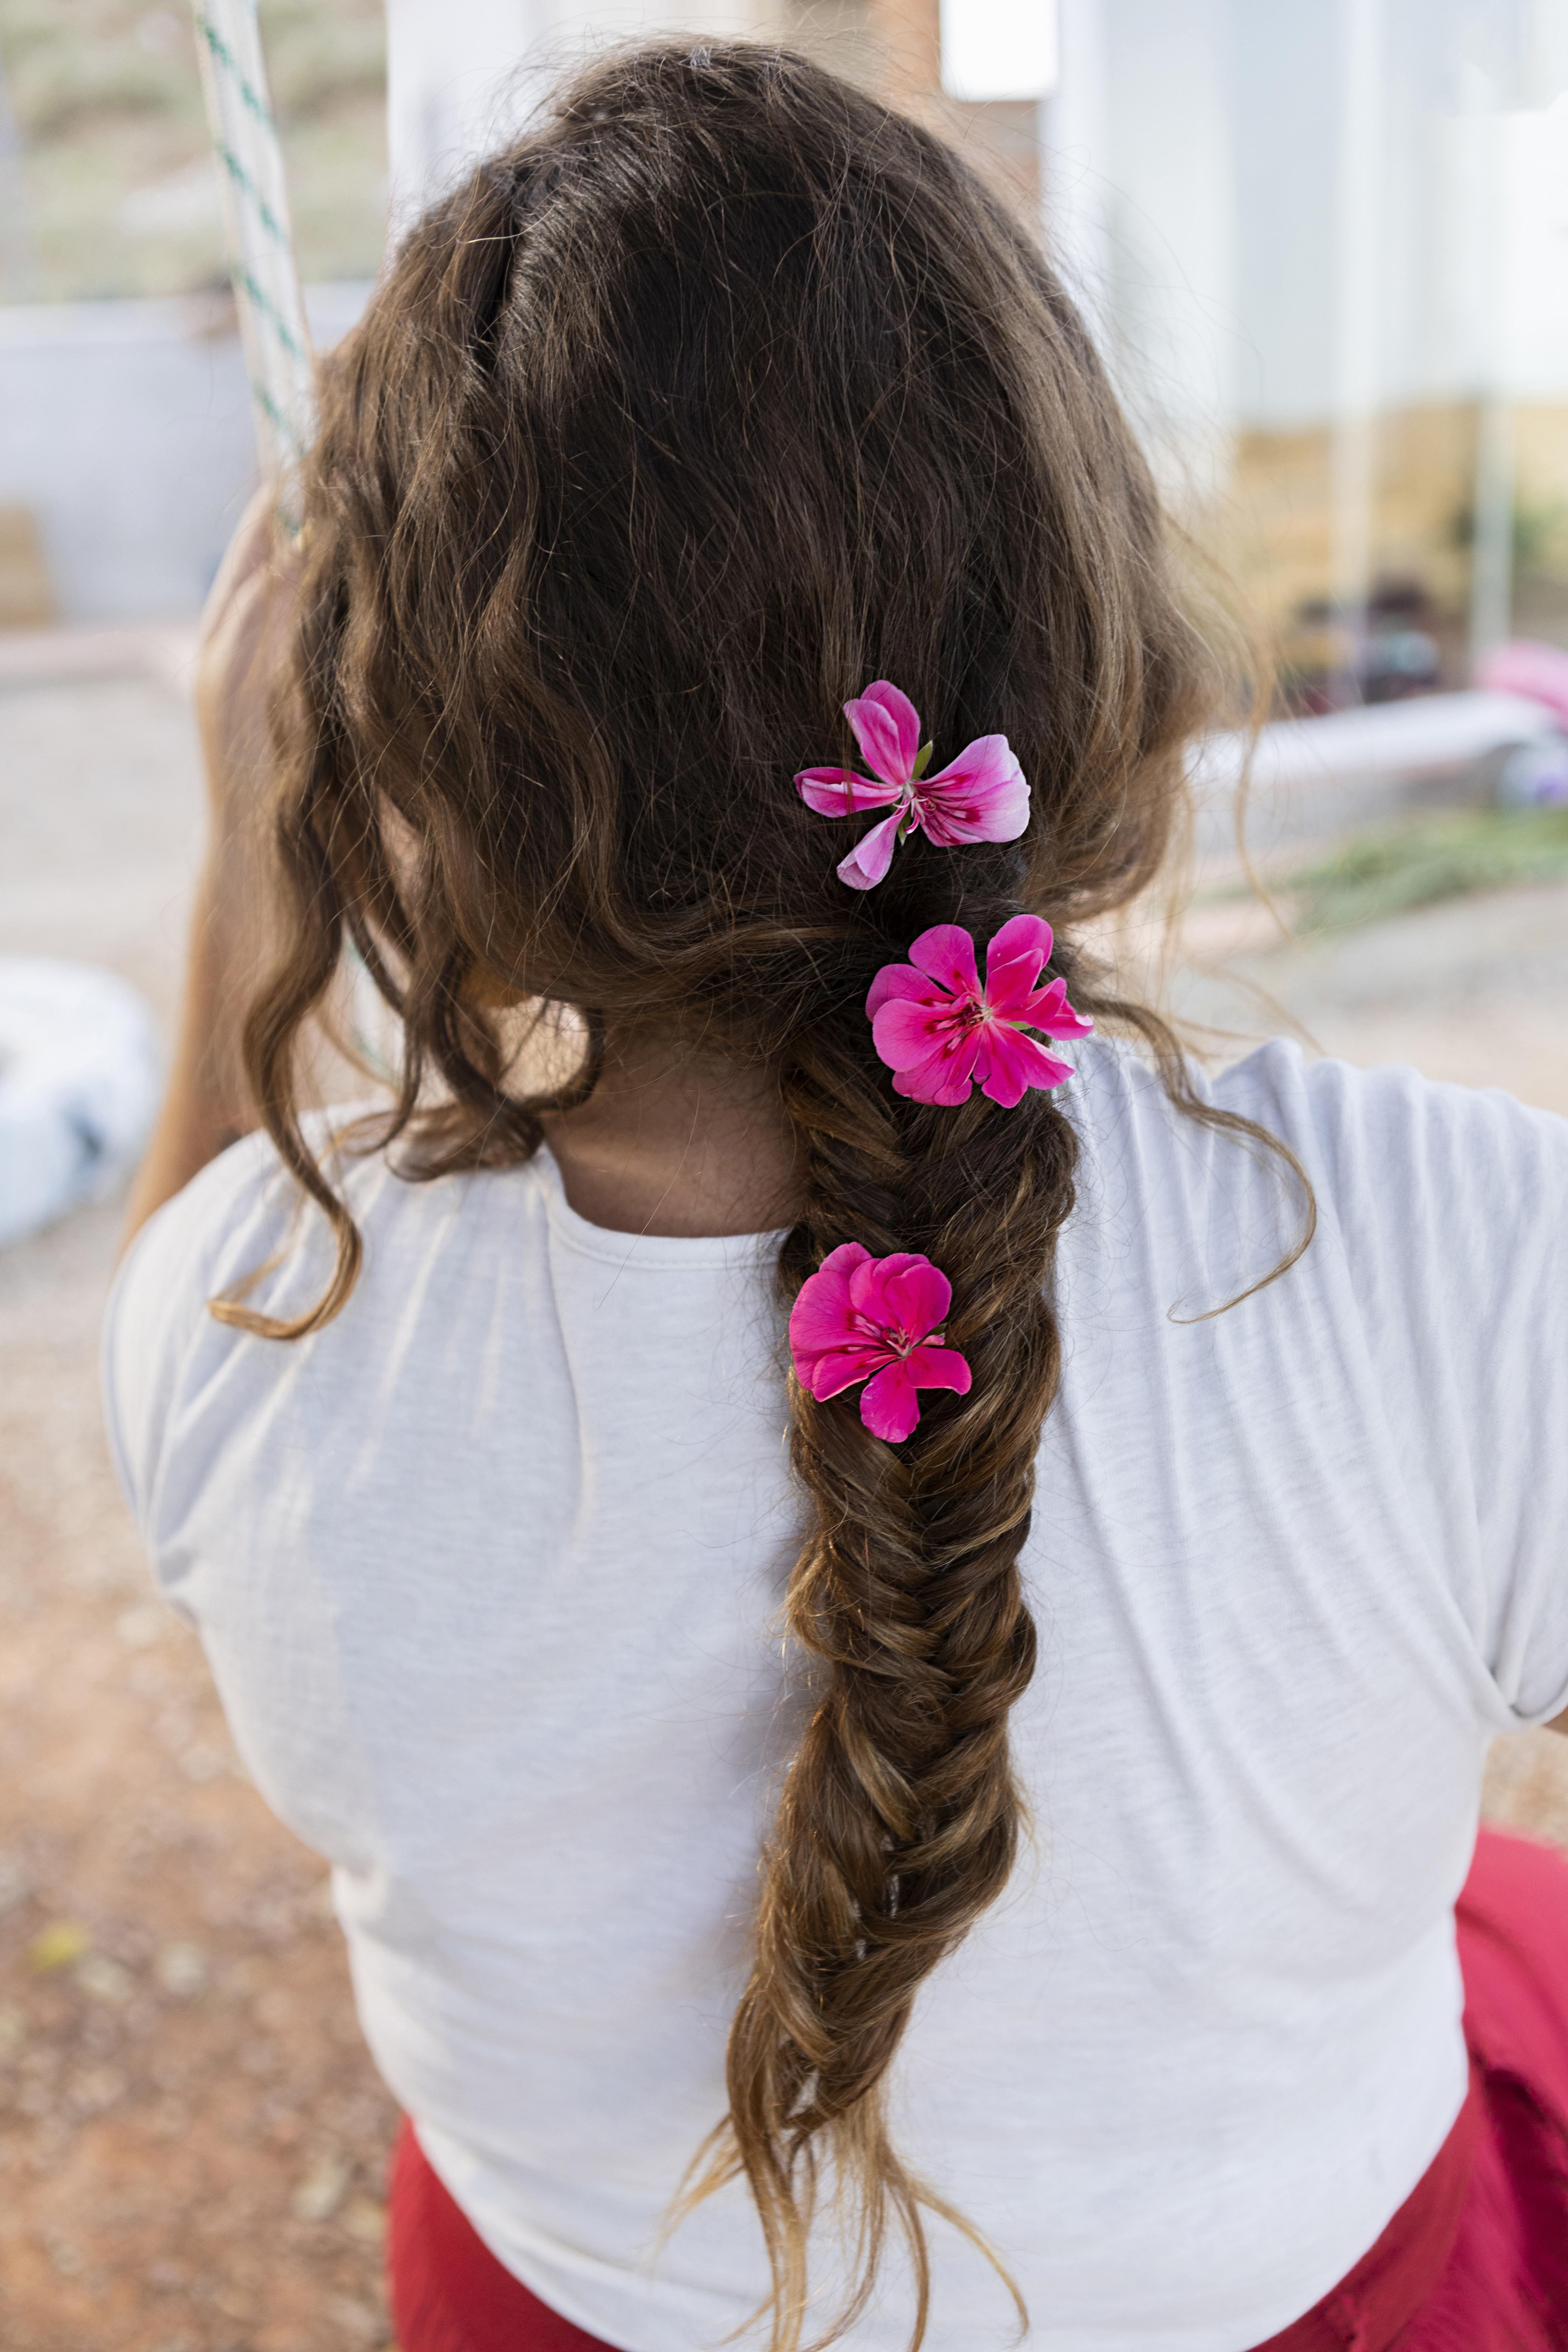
x,y
1476,2260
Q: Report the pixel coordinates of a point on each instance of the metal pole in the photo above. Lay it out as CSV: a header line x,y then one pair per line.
x,y
20,278
1352,457
1492,539
1074,134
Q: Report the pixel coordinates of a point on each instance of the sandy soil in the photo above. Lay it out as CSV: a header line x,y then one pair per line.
x,y
192,2140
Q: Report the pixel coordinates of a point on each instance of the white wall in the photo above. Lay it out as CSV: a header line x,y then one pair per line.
x,y
128,432
1175,328
462,78
1198,150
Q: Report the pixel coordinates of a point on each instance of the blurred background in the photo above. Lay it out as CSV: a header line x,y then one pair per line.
x,y
1323,247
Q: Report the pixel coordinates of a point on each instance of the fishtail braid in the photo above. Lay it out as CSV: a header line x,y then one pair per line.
x,y
899,1819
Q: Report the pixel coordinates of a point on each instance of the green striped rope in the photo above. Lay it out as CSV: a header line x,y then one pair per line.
x,y
248,187
261,255
223,55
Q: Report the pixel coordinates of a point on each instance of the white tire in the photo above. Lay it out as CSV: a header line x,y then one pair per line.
x,y
79,1077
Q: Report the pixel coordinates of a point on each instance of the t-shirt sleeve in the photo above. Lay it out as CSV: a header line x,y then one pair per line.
x,y
157,1324
1450,1206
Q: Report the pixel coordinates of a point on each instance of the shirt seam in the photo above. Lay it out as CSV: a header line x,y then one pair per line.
x,y
644,1250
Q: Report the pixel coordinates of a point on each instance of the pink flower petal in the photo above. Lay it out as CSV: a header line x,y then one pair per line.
x,y
888,730
1013,962
918,1295
868,1284
829,1375
839,791
872,855
941,1368
907,1032
868,1289
1025,935
947,1079
1013,1063
979,796
900,980
932,1056
1051,1011
844,1261
823,1320
1010,988
947,952
888,1404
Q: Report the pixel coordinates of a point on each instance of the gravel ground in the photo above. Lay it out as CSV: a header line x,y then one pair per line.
x,y
193,2143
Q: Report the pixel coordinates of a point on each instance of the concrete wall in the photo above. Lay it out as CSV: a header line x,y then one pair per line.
x,y
125,429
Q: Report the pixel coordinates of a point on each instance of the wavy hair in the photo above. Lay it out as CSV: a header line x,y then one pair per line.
x,y
722,393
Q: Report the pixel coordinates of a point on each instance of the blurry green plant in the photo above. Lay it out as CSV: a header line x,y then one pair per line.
x,y
108,104
56,89
1422,859
317,57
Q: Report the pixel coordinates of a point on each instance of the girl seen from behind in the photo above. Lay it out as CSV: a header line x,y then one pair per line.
x,y
891,1774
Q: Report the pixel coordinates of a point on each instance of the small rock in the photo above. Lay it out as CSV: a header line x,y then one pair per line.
x,y
366,2220
143,1623
96,2091
356,2319
245,1978
274,2007
104,1978
320,2192
181,1971
58,1945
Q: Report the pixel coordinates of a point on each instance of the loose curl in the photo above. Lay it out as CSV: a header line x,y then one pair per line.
x,y
723,391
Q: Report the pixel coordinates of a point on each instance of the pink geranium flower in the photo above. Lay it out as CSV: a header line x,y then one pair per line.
x,y
980,796
938,1030
876,1319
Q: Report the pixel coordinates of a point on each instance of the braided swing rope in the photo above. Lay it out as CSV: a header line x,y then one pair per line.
x,y
273,328
274,331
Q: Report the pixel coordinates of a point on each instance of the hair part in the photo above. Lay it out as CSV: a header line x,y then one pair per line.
x,y
723,391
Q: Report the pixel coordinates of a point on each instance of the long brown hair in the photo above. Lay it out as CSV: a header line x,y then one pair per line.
x,y
723,392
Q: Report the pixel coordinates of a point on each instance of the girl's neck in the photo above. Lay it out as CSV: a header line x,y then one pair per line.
x,y
678,1143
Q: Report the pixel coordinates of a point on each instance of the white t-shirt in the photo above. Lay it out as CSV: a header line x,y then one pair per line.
x,y
489,1572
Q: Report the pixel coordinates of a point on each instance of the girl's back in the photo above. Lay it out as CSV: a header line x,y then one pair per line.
x,y
491,1571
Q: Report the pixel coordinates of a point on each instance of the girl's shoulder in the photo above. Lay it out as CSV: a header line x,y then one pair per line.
x,y
247,1207
1437,1214
1390,1155
244,1229
1414,1357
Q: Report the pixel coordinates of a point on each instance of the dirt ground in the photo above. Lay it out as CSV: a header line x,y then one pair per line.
x,y
193,2142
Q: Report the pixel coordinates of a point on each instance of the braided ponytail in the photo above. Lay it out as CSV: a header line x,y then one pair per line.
x,y
899,1817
